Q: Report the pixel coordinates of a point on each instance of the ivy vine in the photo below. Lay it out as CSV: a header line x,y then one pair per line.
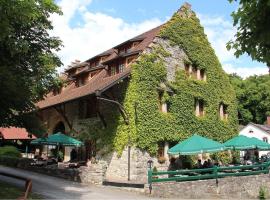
x,y
148,125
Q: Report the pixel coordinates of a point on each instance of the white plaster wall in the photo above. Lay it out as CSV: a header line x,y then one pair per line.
x,y
257,133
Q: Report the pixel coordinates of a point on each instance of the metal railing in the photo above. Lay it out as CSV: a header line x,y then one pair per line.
x,y
27,186
207,173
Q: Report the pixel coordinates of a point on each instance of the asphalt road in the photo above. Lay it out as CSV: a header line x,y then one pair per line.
x,y
56,188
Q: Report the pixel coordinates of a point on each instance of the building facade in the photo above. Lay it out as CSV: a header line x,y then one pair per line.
x,y
132,102
259,131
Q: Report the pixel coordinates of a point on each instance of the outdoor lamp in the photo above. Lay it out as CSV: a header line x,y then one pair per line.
x,y
149,164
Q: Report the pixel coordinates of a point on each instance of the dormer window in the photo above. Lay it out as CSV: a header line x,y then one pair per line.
x,y
223,111
265,139
113,71
56,91
199,108
121,68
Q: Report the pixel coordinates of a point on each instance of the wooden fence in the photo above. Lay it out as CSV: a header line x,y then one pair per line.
x,y
27,186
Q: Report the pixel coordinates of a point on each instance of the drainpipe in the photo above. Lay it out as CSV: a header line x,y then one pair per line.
x,y
126,119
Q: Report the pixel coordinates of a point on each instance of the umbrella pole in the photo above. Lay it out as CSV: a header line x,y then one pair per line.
x,y
57,153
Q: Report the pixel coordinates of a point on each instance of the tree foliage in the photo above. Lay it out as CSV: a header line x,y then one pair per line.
x,y
253,96
28,60
252,19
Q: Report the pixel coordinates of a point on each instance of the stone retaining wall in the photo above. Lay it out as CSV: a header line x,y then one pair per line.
x,y
243,187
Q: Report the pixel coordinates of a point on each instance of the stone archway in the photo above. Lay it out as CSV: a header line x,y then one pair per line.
x,y
59,127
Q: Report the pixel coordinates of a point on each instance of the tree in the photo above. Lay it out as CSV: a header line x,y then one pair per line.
x,y
253,96
28,61
253,30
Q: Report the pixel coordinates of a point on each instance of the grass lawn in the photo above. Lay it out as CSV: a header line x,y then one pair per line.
x,y
8,191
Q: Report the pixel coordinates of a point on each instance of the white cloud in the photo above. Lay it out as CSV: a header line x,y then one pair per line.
x,y
97,32
85,34
245,71
219,31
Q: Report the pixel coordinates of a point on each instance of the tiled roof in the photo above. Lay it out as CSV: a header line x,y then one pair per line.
x,y
99,82
14,133
265,128
102,80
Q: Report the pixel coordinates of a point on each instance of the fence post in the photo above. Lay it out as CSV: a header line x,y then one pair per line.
x,y
150,180
216,174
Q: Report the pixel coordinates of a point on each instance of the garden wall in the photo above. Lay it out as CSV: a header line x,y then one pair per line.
x,y
244,187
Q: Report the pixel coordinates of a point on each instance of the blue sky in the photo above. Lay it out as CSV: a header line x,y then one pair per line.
x,y
89,27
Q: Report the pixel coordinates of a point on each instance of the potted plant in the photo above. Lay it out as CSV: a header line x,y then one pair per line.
x,y
161,159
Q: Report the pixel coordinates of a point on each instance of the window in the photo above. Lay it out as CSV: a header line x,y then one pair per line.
x,y
91,108
113,71
265,139
223,111
202,75
87,108
188,69
130,59
194,72
163,106
121,68
160,152
57,91
199,108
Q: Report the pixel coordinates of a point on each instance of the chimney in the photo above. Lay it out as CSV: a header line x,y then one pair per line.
x,y
268,121
185,10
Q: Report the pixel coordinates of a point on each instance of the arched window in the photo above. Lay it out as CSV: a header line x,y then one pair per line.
x,y
60,127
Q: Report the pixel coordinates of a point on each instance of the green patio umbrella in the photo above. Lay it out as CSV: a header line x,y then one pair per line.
x,y
261,144
195,145
58,139
242,142
39,141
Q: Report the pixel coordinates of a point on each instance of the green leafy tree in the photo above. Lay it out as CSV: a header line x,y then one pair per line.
x,y
28,61
252,19
253,96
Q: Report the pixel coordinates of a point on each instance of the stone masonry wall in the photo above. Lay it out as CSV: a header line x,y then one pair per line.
x,y
117,167
243,187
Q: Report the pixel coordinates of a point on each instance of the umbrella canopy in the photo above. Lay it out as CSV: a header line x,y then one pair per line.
x,y
242,142
58,139
196,144
39,141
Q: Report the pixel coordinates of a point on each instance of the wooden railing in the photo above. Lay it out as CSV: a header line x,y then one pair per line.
x,y
27,187
207,173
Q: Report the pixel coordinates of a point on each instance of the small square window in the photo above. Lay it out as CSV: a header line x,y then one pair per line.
x,y
223,111
113,71
199,108
121,68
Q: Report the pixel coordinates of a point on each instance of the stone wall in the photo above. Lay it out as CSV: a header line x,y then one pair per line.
x,y
117,166
243,187
95,173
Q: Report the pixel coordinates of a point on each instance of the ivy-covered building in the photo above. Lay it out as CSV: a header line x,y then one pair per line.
x,y
146,93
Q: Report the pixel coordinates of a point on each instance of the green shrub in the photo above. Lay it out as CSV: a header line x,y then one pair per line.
x,y
9,161
224,157
262,192
10,151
